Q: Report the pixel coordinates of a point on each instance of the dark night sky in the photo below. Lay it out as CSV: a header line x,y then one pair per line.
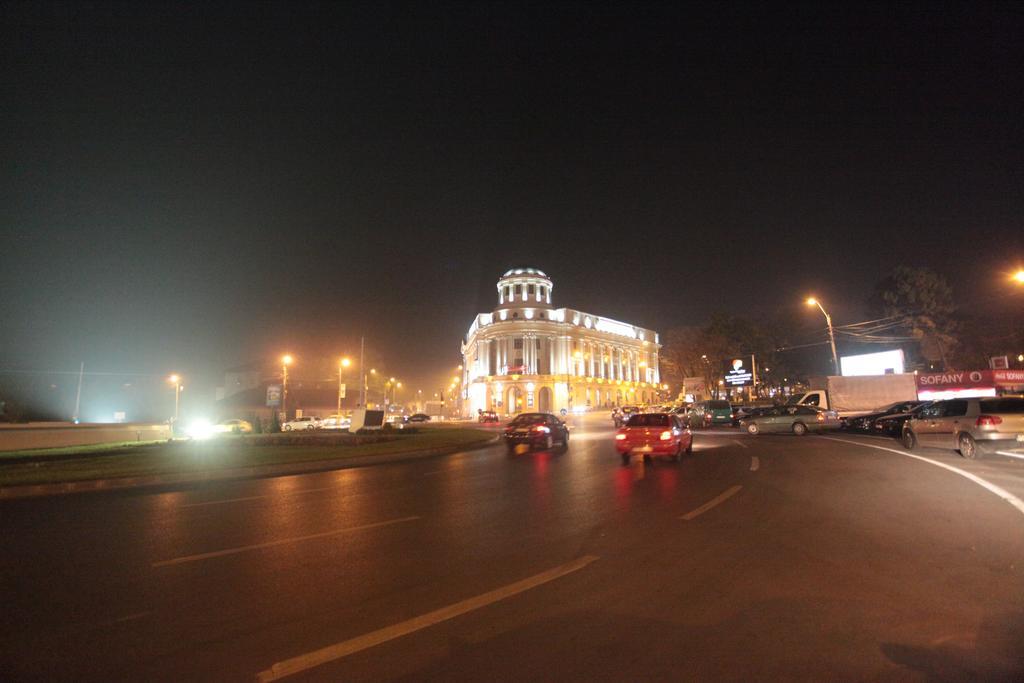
x,y
193,186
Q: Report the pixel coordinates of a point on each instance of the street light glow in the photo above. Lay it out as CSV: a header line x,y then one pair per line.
x,y
1019,276
287,359
173,379
345,362
811,301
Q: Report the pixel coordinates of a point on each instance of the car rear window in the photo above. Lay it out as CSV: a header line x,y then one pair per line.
x,y
719,405
1003,405
529,419
648,420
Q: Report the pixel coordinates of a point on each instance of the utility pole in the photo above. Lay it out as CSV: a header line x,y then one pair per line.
x,y
78,395
831,334
362,371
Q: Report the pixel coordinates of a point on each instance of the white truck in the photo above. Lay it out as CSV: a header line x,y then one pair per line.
x,y
852,396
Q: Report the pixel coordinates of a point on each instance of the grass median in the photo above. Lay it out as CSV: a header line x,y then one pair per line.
x,y
227,453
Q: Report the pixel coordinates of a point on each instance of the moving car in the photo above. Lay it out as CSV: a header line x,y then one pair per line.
x,y
537,430
653,434
972,426
306,422
620,415
892,425
488,416
335,422
865,423
419,417
793,419
232,427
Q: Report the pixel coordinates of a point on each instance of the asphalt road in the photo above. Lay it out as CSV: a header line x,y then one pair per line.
x,y
756,558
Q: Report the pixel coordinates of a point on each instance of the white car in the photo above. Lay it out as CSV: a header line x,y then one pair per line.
x,y
334,422
301,423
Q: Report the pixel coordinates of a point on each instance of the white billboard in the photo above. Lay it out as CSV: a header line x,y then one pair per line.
x,y
881,363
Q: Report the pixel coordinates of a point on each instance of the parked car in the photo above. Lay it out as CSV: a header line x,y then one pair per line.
x,y
972,426
537,430
621,414
488,416
708,413
892,425
306,422
793,419
865,423
653,434
419,417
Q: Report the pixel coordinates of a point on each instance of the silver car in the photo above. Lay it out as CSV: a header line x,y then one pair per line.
x,y
972,426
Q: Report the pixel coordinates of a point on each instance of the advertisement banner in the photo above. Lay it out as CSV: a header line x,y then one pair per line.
x,y
739,372
273,395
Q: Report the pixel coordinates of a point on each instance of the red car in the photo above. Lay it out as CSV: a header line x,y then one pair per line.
x,y
653,434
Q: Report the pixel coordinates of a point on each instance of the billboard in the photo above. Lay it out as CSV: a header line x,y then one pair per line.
x,y
273,395
739,372
881,363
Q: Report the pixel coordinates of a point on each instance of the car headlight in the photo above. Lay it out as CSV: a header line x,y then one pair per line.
x,y
200,429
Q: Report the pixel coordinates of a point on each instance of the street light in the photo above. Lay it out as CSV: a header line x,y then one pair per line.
x,y
176,381
831,334
286,360
1018,277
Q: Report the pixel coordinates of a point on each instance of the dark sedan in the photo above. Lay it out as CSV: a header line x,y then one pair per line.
x,y
866,423
537,431
419,417
892,425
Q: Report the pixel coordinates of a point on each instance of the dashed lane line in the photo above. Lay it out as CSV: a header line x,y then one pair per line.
x,y
282,541
720,498
345,648
984,483
740,444
755,463
261,497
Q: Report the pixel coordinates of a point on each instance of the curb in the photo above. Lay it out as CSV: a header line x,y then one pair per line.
x,y
254,472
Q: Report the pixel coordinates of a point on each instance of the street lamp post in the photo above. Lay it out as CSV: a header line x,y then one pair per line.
x,y
176,381
286,360
342,364
831,334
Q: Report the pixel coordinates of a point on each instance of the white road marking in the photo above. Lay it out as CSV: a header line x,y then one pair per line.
x,y
999,491
755,463
270,544
132,617
269,495
740,443
720,498
345,648
1011,455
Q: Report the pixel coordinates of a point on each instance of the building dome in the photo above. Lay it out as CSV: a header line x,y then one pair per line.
x,y
524,286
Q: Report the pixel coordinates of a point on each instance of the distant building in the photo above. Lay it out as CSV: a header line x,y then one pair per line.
x,y
526,355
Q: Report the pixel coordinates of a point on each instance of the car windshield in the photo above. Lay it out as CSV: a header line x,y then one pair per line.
x,y
528,419
648,420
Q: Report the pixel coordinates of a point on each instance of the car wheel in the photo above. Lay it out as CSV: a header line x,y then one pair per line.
x,y
968,447
287,428
909,440
753,429
799,428
647,458
689,447
625,458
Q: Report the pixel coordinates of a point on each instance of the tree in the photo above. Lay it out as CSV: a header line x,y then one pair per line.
x,y
923,300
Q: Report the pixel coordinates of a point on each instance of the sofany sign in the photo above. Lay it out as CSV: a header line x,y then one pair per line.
x,y
970,379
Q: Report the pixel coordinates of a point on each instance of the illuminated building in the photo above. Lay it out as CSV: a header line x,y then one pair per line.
x,y
527,355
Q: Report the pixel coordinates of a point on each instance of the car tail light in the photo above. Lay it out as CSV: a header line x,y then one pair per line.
x,y
620,436
542,429
666,435
988,421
